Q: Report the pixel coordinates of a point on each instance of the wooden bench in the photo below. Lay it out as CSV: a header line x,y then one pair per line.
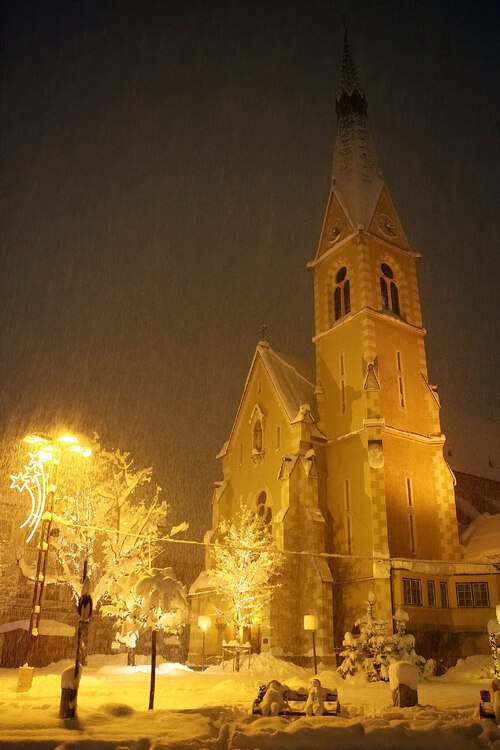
x,y
295,702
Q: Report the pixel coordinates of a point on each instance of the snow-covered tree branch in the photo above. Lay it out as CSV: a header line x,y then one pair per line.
x,y
245,564
108,512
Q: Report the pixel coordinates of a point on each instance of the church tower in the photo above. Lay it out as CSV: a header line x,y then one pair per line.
x,y
346,469
389,490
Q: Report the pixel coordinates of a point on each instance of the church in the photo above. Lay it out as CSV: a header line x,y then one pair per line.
x,y
347,466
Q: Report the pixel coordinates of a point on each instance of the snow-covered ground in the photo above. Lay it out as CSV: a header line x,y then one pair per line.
x,y
210,711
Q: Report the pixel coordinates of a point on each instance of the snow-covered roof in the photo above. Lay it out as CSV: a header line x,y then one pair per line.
x,y
481,539
223,450
201,585
466,508
357,182
293,388
475,450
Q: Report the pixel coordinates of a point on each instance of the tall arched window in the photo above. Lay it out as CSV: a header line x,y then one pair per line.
x,y
341,294
389,290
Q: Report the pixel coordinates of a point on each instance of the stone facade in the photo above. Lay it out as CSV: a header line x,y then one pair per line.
x,y
351,461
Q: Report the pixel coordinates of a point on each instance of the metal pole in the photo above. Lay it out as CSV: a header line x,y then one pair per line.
x,y
314,652
79,631
153,671
41,568
203,652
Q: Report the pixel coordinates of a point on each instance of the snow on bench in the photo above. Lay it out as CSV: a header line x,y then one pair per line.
x,y
275,699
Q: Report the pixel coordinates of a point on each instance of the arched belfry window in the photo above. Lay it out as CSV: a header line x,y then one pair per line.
x,y
264,511
389,289
341,294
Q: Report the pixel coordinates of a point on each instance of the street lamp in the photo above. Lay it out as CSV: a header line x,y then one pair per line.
x,y
39,479
310,624
204,622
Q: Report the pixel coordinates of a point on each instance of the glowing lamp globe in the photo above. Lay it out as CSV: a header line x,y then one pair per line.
x,y
204,622
310,622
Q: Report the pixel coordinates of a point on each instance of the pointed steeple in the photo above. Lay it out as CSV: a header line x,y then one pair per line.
x,y
348,75
356,178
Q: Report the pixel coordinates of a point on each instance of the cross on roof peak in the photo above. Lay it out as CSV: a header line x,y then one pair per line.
x,y
262,331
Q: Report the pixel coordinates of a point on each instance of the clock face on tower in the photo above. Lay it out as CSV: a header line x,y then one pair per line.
x,y
386,225
334,231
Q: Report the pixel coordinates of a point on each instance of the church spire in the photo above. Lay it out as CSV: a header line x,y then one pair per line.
x,y
348,76
356,176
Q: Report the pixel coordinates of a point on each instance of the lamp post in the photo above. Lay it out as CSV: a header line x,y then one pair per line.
x,y
311,625
204,622
40,478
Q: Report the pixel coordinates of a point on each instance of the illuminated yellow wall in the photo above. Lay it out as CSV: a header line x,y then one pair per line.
x,y
251,475
384,432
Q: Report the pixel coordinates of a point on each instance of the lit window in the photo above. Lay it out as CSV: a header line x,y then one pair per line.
x,y
412,591
389,293
473,595
444,594
342,294
431,593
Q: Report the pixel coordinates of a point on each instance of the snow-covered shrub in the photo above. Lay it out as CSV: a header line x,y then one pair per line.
x,y
373,649
369,651
403,643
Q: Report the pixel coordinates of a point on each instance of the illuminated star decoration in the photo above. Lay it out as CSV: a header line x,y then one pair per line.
x,y
34,480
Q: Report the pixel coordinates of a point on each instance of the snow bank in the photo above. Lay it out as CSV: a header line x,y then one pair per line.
x,y
324,733
472,668
124,669
210,711
264,667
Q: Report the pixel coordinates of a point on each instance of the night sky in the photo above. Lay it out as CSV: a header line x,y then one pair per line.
x,y
165,167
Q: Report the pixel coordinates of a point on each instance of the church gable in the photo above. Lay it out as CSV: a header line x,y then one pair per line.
x,y
336,226
385,222
260,413
275,395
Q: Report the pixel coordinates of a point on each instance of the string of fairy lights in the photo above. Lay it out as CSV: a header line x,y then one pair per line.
x,y
34,479
301,553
